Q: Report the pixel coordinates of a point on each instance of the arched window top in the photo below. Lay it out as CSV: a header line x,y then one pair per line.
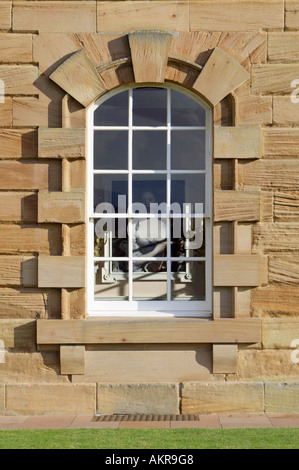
x,y
150,201
161,104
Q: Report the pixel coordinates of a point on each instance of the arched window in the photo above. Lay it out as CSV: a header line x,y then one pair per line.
x,y
149,203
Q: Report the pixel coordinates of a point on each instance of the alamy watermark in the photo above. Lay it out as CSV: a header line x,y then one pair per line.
x,y
153,227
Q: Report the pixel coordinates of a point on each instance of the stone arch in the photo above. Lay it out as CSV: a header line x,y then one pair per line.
x,y
149,57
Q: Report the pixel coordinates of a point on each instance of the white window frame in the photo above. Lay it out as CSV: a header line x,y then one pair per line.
x,y
149,308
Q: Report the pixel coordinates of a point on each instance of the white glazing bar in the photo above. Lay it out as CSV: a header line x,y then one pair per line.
x,y
168,193
149,258
147,128
150,172
130,194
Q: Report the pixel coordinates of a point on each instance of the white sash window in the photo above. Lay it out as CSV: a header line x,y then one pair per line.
x,y
149,203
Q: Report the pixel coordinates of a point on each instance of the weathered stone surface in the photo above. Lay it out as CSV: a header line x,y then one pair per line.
x,y
254,110
6,112
278,333
284,269
269,174
285,111
282,397
18,207
135,398
266,365
18,143
237,205
31,367
291,14
50,399
130,16
283,47
15,47
269,237
61,143
149,52
226,397
273,78
281,142
231,16
19,79
275,301
78,77
55,16
44,239
24,303
18,334
61,207
286,207
33,111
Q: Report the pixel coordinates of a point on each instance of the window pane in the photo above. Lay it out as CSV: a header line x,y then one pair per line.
x,y
188,190
151,283
149,239
110,238
187,238
185,111
188,150
149,190
189,283
110,193
109,283
113,112
111,150
149,107
149,150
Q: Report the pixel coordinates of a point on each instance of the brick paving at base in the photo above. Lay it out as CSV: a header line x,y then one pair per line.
x,y
212,421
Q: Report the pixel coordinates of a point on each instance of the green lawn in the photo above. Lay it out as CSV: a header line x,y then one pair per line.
x,y
151,439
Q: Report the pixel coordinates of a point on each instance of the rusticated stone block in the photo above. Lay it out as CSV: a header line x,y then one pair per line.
x,y
266,365
285,111
61,207
5,15
269,237
142,15
26,303
284,270
54,16
18,143
283,47
282,397
138,398
18,334
44,239
19,79
275,300
15,47
222,397
291,14
243,15
278,333
50,399
31,368
273,78
61,143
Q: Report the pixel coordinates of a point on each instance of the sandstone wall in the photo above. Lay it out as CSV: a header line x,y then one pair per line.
x,y
263,36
